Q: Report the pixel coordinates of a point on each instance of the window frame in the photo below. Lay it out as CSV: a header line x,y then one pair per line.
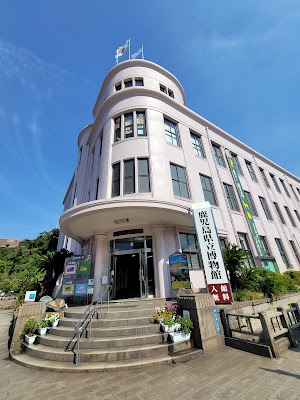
x,y
179,181
246,246
219,156
116,180
128,177
231,197
263,174
265,244
251,171
173,136
127,83
282,252
197,144
275,183
279,213
284,188
143,175
289,214
237,164
126,118
190,251
139,80
295,251
266,208
211,191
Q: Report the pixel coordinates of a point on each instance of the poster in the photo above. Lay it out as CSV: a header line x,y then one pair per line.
x,y
67,290
81,289
215,272
179,271
70,268
30,296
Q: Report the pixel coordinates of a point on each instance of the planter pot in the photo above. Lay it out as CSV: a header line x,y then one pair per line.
x,y
180,337
55,323
167,328
42,331
30,339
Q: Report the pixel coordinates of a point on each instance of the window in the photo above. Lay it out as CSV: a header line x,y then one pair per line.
x,y
129,177
298,190
208,190
117,129
223,242
79,155
143,177
118,86
116,180
295,251
265,208
197,145
100,144
275,183
88,196
163,88
179,181
251,171
141,123
246,246
189,246
93,159
171,131
128,125
282,252
294,192
297,215
218,155
128,83
264,177
279,213
139,82
236,163
233,204
74,197
265,245
290,216
171,93
250,203
285,188
97,189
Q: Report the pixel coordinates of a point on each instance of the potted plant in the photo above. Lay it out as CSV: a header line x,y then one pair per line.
x,y
29,330
42,327
185,330
52,319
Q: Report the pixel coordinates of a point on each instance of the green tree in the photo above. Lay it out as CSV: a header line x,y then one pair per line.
x,y
235,262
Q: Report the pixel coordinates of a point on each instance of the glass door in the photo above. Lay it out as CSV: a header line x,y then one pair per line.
x,y
143,274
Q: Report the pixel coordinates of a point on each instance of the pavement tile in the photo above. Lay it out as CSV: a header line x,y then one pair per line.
x,y
285,393
222,380
231,392
257,392
202,393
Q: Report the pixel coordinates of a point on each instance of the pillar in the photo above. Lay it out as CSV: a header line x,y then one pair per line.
x,y
160,259
100,264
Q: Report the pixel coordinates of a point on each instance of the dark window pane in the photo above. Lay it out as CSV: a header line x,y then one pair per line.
x,y
144,184
183,190
128,167
128,185
174,172
176,188
143,166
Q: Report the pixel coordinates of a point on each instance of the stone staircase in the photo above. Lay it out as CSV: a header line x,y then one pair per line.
x,y
123,338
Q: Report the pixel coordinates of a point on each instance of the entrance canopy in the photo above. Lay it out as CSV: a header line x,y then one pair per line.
x,y
82,221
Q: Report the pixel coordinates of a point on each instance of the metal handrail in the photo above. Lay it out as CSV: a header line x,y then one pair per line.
x,y
87,317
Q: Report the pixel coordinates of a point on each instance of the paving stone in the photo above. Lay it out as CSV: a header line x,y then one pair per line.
x,y
202,393
256,393
285,393
231,392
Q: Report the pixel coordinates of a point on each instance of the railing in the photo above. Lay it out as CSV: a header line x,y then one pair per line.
x,y
85,321
267,326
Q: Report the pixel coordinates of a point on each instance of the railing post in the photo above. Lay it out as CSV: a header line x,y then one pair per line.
x,y
297,313
225,323
285,324
268,332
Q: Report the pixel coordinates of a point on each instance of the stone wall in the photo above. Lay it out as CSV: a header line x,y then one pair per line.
x,y
7,302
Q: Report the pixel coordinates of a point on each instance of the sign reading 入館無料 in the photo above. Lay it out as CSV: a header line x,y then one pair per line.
x,y
215,273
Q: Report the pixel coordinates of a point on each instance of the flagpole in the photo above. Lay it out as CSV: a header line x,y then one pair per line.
x,y
142,51
129,51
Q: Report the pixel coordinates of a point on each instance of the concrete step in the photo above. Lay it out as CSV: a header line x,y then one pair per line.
x,y
96,355
46,365
98,323
99,343
113,314
68,331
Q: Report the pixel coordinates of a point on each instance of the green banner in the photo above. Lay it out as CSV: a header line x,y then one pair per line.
x,y
267,264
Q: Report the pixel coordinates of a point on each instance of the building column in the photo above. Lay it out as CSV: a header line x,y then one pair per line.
x,y
100,263
160,259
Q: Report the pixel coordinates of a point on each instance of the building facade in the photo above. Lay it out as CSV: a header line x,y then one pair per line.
x,y
143,162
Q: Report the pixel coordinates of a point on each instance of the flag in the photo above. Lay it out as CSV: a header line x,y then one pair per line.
x,y
137,53
121,50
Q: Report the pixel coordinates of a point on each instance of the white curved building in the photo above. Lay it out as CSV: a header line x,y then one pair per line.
x,y
142,162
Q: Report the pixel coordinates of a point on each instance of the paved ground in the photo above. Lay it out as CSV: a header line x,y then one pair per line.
x,y
224,374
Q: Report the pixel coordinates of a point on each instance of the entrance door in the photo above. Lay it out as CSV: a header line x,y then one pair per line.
x,y
143,274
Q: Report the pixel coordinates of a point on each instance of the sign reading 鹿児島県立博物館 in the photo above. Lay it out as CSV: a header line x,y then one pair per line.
x,y
215,272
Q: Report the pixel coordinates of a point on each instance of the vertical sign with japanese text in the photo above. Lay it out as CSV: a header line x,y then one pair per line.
x,y
215,273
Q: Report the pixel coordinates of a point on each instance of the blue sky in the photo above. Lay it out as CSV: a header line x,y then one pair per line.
x,y
238,62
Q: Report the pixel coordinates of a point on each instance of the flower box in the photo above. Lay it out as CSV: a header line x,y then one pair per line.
x,y
177,337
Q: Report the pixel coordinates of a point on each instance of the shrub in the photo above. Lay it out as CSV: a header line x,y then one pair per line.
x,y
30,326
246,295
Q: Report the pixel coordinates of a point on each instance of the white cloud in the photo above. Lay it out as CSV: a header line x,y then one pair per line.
x,y
19,63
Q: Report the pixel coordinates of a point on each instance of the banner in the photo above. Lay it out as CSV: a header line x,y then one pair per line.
x,y
215,272
267,264
179,271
